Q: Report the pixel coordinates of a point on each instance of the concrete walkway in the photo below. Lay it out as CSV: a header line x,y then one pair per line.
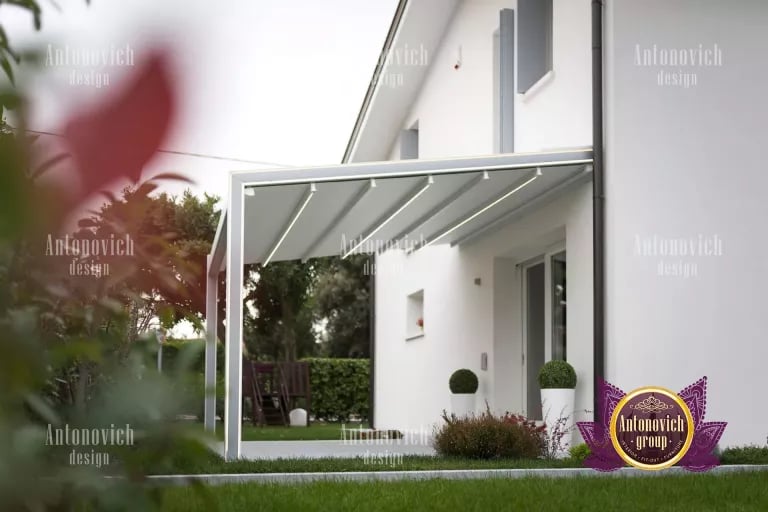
x,y
270,450
457,474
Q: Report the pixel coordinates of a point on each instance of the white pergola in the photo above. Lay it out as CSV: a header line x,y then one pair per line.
x,y
302,213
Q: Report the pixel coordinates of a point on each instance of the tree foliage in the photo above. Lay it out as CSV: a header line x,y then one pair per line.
x,y
281,328
177,233
342,301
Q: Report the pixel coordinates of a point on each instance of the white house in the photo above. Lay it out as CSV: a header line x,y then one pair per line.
x,y
515,160
485,297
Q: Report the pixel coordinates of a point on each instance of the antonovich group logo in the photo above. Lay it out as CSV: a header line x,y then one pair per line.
x,y
652,428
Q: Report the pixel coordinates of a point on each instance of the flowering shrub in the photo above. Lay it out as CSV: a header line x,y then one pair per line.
x,y
555,441
487,436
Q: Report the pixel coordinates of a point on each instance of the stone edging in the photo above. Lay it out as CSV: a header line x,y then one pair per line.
x,y
449,474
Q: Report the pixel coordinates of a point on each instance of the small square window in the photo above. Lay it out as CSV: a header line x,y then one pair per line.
x,y
409,143
414,315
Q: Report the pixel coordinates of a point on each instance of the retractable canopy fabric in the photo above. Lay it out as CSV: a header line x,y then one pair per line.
x,y
297,214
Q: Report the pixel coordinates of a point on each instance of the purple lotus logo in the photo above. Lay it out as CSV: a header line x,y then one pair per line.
x,y
652,428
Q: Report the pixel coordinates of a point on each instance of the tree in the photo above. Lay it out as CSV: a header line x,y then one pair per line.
x,y
171,238
342,300
281,297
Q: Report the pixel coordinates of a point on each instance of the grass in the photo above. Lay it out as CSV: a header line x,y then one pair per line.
x,y
315,432
743,492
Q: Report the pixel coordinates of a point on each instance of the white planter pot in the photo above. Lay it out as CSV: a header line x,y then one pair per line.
x,y
462,404
556,404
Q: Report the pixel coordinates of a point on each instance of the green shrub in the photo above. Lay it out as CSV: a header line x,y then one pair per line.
x,y
489,437
340,388
751,454
463,381
557,375
189,392
174,351
579,452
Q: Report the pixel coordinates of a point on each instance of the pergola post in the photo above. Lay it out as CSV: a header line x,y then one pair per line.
x,y
234,321
211,296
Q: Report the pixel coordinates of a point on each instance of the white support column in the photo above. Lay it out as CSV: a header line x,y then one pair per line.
x,y
234,328
211,296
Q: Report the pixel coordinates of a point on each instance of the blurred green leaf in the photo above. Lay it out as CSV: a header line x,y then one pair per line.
x,y
6,65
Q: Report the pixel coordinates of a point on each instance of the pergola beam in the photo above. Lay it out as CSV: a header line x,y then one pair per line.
x,y
297,211
359,196
443,205
456,224
211,296
536,202
233,367
401,205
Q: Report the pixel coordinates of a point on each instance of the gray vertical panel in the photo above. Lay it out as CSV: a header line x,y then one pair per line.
x,y
496,95
234,350
535,315
372,341
507,80
211,293
409,144
534,42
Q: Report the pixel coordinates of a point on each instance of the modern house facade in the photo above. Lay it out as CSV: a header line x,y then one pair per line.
x,y
485,300
540,179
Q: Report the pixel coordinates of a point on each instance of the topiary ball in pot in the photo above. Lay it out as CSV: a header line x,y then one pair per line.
x,y
463,381
557,375
557,380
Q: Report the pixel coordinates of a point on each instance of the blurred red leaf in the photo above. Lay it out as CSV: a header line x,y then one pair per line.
x,y
120,136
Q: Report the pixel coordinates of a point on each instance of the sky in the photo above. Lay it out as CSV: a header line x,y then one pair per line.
x,y
276,81
273,81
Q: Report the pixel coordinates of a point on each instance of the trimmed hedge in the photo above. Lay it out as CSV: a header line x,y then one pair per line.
x,y
557,374
463,381
340,388
751,454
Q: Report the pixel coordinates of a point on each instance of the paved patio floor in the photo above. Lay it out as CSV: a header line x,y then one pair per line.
x,y
455,474
322,449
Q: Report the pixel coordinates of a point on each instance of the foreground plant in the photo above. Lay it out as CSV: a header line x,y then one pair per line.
x,y
80,397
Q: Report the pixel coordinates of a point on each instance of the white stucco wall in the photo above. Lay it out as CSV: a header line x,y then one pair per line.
x,y
455,115
455,108
463,320
684,162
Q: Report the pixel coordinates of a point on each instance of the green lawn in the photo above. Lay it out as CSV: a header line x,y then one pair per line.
x,y
315,432
742,492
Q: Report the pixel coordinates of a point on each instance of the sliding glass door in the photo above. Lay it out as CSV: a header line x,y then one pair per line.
x,y
544,321
558,288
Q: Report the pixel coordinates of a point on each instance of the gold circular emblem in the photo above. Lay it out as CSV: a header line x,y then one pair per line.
x,y
651,428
